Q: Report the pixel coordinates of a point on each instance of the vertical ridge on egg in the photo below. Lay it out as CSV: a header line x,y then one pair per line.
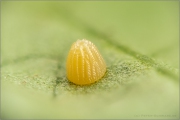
x,y
84,63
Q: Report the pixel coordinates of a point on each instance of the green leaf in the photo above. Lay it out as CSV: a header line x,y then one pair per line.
x,y
138,40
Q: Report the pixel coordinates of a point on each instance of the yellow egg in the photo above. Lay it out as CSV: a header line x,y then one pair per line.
x,y
84,63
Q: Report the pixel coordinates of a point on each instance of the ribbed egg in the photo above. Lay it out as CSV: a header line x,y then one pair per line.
x,y
84,64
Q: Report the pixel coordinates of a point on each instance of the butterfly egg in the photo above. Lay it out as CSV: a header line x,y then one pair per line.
x,y
84,64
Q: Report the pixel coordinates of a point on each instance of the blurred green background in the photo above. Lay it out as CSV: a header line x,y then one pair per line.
x,y
139,41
